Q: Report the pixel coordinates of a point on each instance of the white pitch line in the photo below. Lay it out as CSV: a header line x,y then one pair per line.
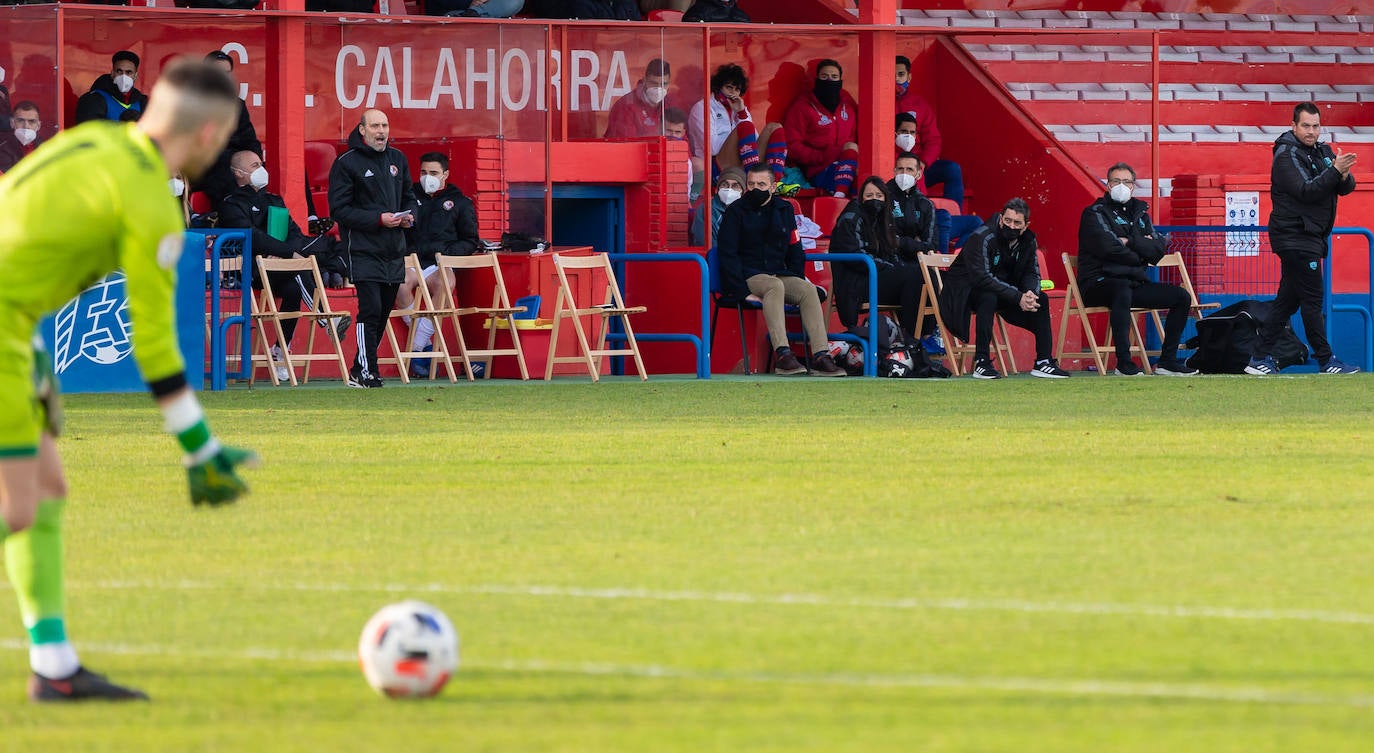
x,y
1025,685
818,600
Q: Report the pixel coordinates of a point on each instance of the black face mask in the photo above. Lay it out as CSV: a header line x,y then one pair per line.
x,y
873,207
756,197
828,93
1008,233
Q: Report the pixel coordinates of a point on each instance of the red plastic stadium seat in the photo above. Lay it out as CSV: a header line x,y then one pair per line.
x,y
825,210
664,15
200,203
949,205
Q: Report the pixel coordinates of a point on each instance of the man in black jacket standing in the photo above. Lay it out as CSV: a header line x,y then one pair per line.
x,y
1116,246
445,223
372,201
251,206
761,255
998,273
1304,182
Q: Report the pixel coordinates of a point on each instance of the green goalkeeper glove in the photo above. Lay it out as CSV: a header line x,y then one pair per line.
x,y
215,481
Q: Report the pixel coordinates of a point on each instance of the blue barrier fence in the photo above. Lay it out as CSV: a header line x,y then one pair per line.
x,y
870,342
1252,271
700,342
226,244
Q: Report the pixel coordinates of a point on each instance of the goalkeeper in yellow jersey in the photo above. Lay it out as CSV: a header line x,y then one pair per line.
x,y
60,236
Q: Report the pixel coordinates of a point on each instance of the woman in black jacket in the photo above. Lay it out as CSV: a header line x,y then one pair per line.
x,y
866,227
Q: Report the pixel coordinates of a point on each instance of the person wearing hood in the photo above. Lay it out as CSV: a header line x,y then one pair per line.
x,y
1305,180
761,255
252,206
113,96
23,138
220,180
445,223
373,201
729,189
822,129
1116,246
998,274
716,12
640,113
869,226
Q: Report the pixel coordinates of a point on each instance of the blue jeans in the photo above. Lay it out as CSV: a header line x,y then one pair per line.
x,y
942,171
489,9
954,228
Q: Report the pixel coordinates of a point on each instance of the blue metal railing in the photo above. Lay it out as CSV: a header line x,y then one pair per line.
x,y
870,343
697,341
226,240
1365,310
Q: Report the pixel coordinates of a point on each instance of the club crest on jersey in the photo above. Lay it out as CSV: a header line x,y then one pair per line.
x,y
825,120
448,205
394,171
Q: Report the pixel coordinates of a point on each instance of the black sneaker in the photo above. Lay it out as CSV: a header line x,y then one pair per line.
x,y
1127,367
340,323
983,369
1049,370
357,377
85,685
1174,367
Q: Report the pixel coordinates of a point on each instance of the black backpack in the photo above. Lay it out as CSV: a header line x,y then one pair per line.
x,y
1226,340
898,357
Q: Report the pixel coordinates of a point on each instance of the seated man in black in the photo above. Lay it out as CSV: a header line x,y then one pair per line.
x,y
914,220
761,254
1116,246
252,206
998,273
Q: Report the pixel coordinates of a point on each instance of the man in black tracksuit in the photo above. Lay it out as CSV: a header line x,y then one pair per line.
x,y
1116,246
372,201
998,273
1305,180
249,206
913,217
445,223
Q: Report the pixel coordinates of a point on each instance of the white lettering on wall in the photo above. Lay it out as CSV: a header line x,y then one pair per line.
x,y
349,101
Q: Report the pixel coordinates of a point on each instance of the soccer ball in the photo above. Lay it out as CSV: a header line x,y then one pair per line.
x,y
408,650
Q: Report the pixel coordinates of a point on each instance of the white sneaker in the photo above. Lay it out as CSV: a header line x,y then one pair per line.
x,y
278,365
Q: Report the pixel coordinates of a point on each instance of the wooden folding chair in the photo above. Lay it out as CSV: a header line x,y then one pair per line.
x,y
1197,309
1074,306
266,312
421,307
933,266
612,306
499,310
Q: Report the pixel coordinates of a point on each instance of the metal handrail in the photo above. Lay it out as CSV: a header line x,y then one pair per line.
x,y
699,342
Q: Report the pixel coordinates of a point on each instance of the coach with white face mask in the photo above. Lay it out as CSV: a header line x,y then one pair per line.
x,y
640,113
23,139
113,95
1116,246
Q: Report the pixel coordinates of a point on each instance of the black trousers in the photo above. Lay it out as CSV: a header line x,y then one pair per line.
x,y
986,304
375,301
293,288
901,286
1122,295
1300,288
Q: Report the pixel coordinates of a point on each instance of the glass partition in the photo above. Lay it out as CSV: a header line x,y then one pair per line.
x,y
28,37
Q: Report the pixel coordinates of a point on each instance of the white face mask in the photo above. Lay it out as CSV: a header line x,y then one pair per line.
x,y
655,94
25,135
430,184
123,83
904,181
1120,193
729,196
258,178
178,187
906,141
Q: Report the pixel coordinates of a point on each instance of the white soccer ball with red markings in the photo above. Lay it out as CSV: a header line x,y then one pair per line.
x,y
408,650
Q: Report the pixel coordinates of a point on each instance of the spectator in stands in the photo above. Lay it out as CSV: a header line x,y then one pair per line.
x,y
760,254
648,6
1116,246
913,220
716,12
474,8
113,96
729,189
1306,179
614,10
926,135
445,223
219,180
733,140
23,136
5,111
868,226
950,227
640,112
998,274
371,199
822,127
675,128
252,206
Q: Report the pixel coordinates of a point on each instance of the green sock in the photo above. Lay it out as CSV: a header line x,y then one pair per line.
x,y
33,558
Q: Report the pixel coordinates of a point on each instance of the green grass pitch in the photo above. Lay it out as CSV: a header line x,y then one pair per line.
x,y
1095,565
